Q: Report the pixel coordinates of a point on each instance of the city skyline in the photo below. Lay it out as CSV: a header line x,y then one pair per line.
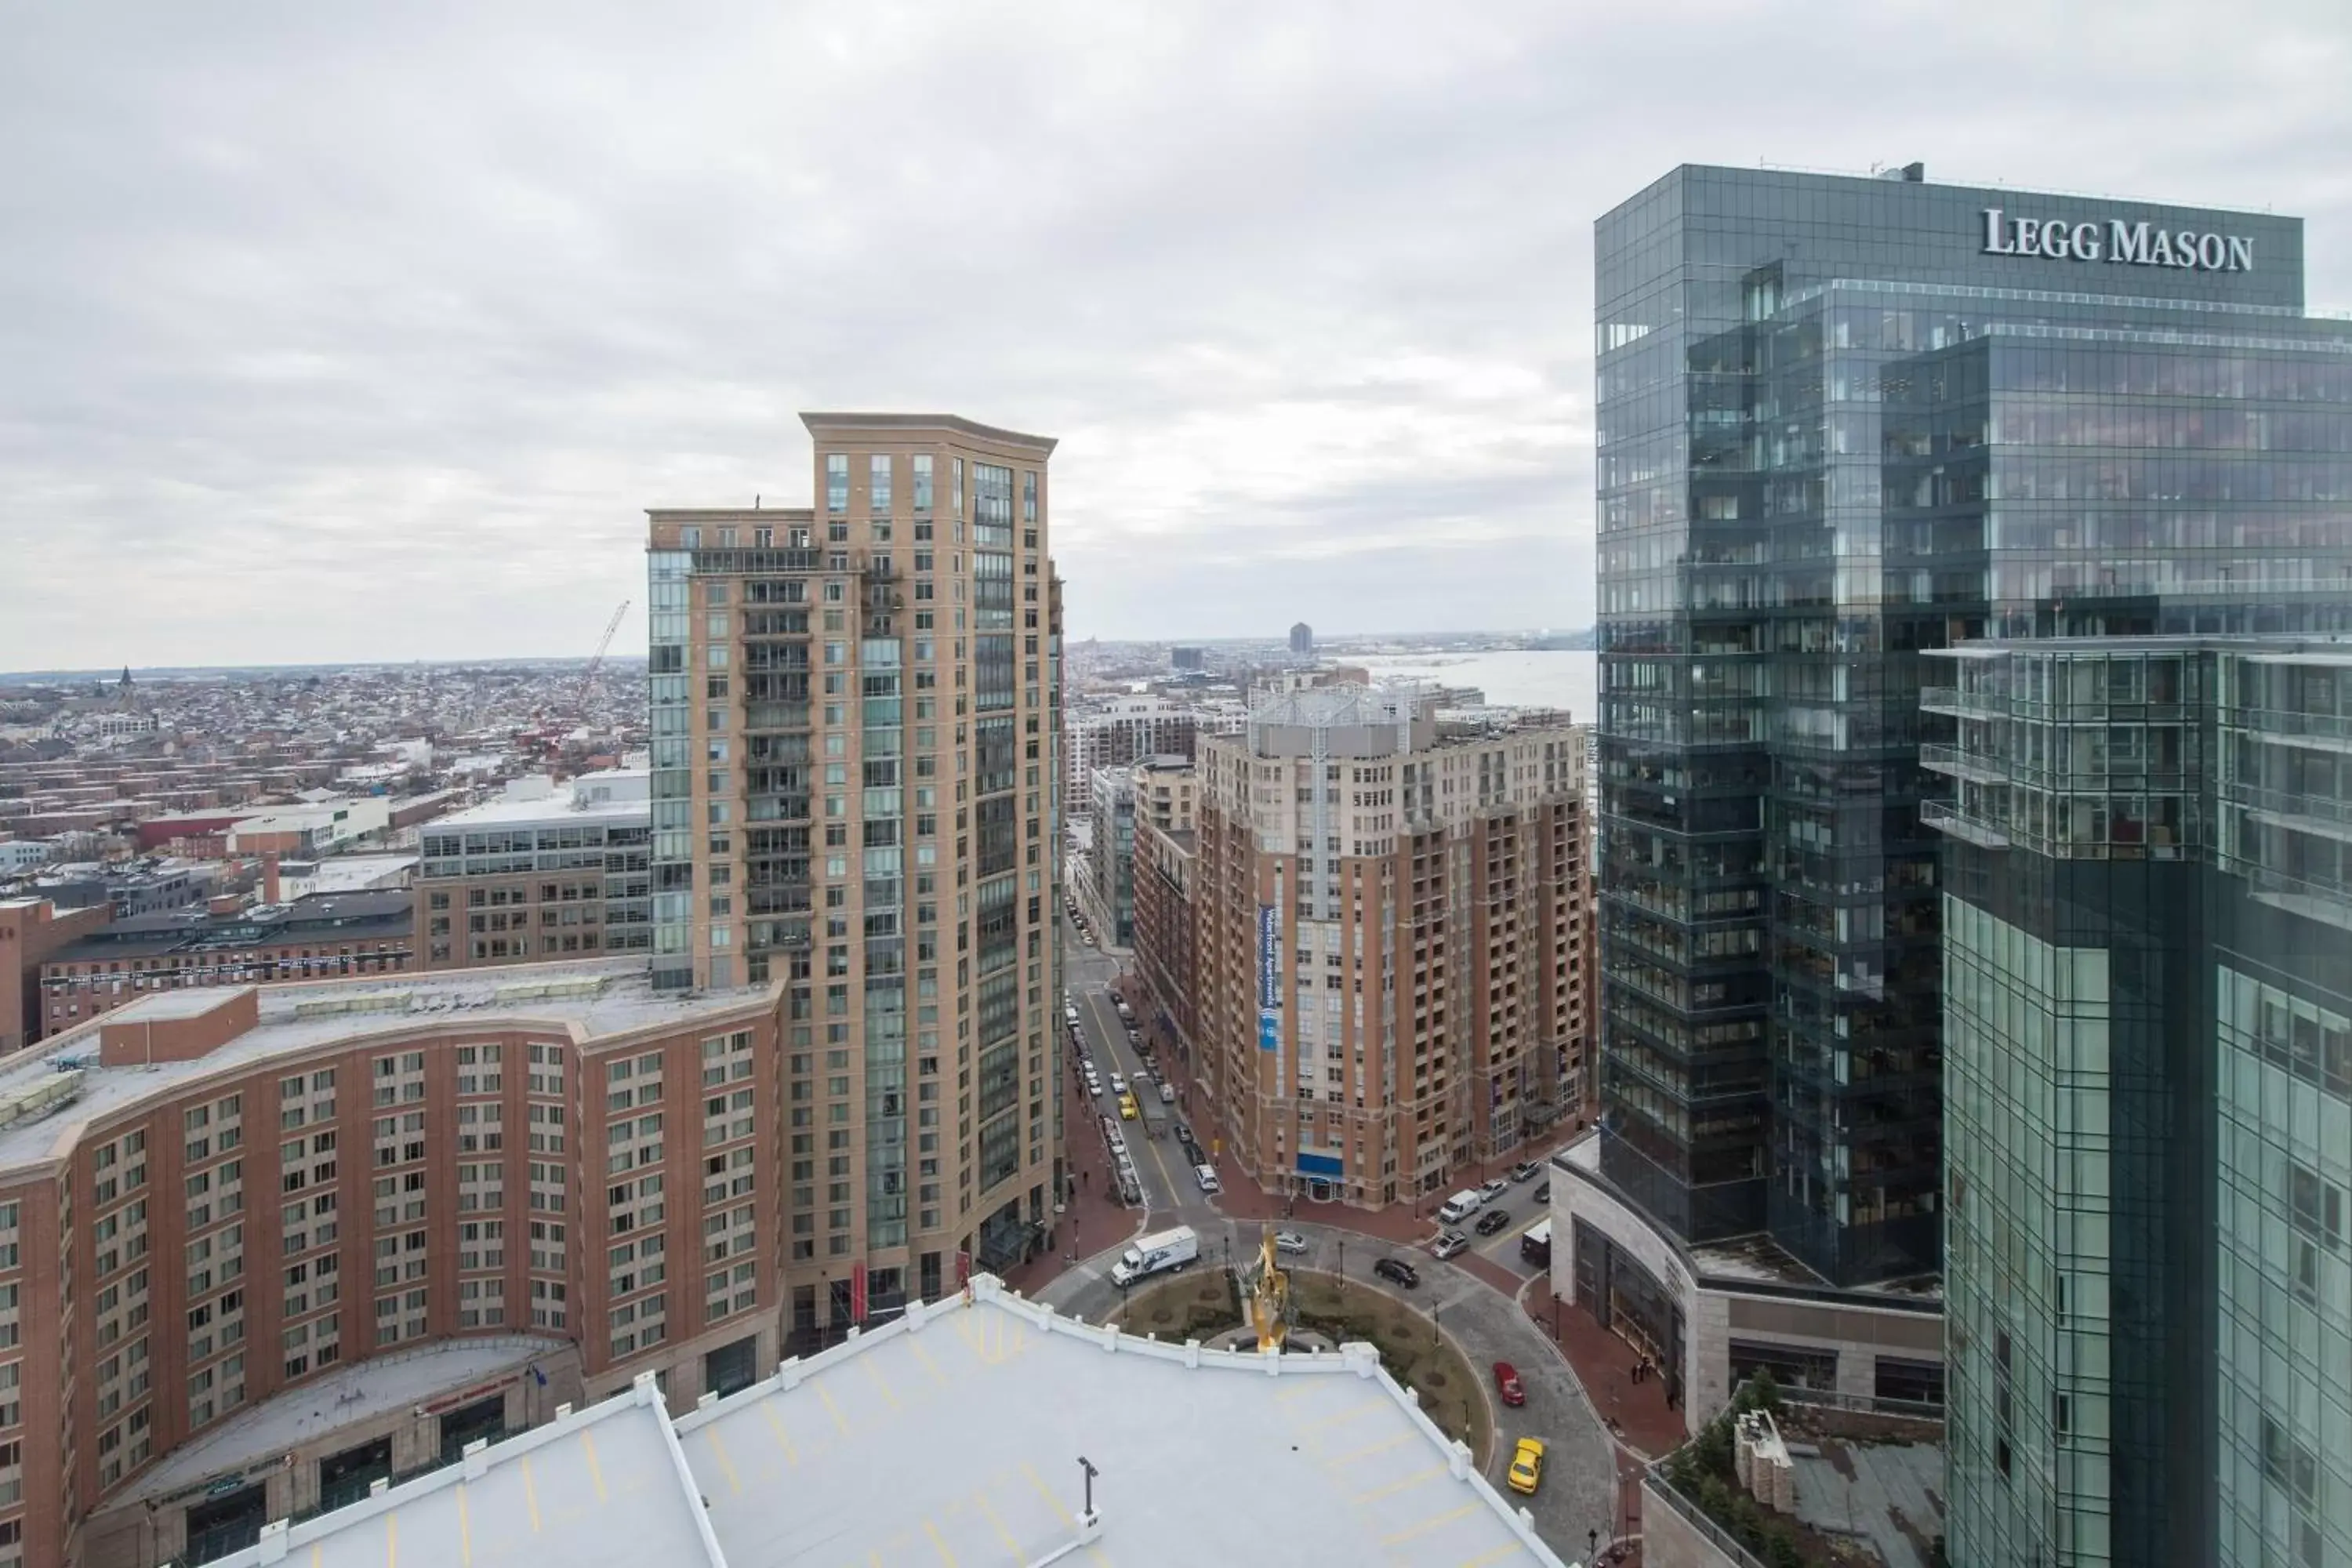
x,y
1326,362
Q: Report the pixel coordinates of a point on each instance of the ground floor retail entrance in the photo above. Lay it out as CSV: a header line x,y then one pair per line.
x,y
1629,1301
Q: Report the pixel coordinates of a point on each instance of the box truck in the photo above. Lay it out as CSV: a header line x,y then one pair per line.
x,y
1156,1254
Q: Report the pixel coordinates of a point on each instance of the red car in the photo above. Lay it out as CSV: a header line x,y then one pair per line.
x,y
1507,1383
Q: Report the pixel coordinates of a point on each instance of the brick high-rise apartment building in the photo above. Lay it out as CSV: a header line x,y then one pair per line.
x,y
1393,934
854,714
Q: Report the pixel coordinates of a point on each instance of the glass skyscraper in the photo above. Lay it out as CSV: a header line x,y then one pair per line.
x,y
2147,944
1843,422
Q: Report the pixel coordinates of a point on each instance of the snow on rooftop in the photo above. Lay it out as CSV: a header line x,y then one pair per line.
x,y
954,1435
350,874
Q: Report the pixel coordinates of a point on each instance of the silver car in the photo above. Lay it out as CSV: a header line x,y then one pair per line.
x,y
1449,1244
1290,1243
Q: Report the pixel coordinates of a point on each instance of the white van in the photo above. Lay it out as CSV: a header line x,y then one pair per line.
x,y
1460,1206
1167,1094
1207,1176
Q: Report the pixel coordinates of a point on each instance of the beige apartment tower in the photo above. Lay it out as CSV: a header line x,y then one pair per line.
x,y
1393,934
854,796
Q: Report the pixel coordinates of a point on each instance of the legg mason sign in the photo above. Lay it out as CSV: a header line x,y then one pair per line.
x,y
2141,243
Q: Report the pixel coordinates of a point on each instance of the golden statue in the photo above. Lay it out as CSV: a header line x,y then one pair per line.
x,y
1270,1297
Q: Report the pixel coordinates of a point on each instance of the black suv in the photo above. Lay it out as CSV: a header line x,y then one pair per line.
x,y
1493,1220
1398,1270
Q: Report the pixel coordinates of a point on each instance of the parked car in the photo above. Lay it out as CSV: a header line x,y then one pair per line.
x,y
1543,1193
1489,1191
1459,1208
1525,1172
1493,1221
1206,1176
1290,1243
1450,1242
1506,1383
1526,1464
1398,1270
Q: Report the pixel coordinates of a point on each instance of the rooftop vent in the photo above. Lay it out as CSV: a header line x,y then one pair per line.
x,y
355,1002
39,1098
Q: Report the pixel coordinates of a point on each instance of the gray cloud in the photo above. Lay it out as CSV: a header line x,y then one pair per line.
x,y
346,332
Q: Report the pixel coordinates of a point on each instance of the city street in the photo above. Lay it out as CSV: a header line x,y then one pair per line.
x,y
1168,1192
1580,1466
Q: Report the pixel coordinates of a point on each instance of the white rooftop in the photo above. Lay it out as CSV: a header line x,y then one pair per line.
x,y
599,997
619,794
601,1488
954,1436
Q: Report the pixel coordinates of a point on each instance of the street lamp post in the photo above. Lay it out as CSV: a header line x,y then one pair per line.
x,y
1088,1472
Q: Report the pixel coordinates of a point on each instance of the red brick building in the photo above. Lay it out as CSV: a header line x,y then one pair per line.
x,y
1393,942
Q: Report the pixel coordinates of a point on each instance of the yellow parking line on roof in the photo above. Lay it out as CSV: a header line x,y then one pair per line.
x,y
726,1464
939,1544
465,1528
530,1492
392,1539
838,1418
1407,1484
1047,1492
1431,1522
776,1429
1339,1417
1002,1534
1508,1548
888,1395
596,1470
1383,1446
929,1364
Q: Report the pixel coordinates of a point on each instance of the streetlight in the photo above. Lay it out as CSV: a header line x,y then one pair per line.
x,y
1088,1471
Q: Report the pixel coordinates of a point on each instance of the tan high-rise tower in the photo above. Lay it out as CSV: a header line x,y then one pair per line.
x,y
854,713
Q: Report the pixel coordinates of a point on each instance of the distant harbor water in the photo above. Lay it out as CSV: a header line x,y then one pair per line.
x,y
1515,677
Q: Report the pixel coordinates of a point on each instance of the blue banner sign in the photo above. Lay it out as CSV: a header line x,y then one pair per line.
x,y
1269,1030
1269,958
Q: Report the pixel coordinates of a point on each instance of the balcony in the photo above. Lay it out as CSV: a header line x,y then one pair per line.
x,y
1945,700
1961,764
1943,816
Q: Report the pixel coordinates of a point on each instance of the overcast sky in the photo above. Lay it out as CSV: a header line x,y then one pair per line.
x,y
349,332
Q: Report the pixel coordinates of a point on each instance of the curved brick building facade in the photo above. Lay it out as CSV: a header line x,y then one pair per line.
x,y
232,1193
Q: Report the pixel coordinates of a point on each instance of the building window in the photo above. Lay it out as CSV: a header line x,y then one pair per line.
x,y
837,481
878,482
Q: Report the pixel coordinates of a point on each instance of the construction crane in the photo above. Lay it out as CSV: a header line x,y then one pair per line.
x,y
596,661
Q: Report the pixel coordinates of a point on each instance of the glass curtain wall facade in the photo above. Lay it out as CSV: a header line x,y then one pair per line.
x,y
2147,939
1843,421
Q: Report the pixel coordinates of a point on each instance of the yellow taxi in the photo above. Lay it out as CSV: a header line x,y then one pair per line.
x,y
1526,1464
1127,1108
